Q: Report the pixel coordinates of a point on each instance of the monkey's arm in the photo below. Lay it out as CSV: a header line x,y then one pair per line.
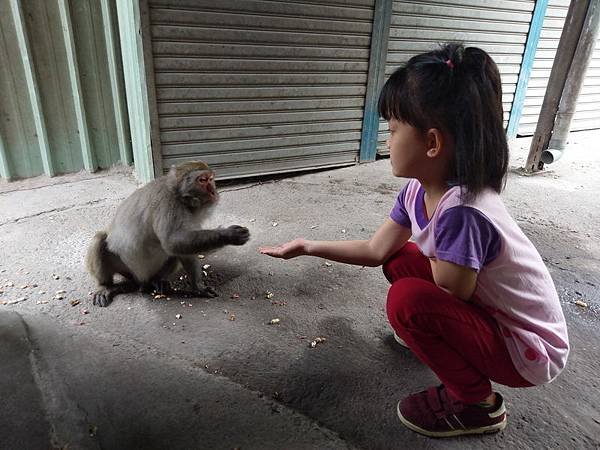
x,y
189,242
388,239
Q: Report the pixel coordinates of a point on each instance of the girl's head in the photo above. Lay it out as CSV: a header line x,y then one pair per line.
x,y
445,106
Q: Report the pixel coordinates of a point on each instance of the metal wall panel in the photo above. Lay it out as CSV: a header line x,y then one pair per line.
x,y
587,113
257,87
498,27
61,88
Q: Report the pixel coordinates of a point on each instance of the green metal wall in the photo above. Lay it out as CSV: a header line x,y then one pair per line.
x,y
62,105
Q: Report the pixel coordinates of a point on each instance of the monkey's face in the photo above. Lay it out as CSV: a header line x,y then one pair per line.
x,y
198,188
205,181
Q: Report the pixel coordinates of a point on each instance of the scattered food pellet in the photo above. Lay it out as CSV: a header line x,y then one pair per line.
x,y
274,224
343,231
56,277
158,296
178,316
74,302
235,296
24,286
232,317
268,294
252,220
59,297
85,311
204,272
62,291
328,264
9,284
316,341
206,266
313,227
41,292
201,256
274,321
581,303
41,302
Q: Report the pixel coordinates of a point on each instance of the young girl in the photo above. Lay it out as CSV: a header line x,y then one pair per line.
x,y
470,295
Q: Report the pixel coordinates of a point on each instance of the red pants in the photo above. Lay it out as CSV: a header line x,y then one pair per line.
x,y
458,340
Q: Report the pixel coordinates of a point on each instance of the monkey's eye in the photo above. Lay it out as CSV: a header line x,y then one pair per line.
x,y
202,179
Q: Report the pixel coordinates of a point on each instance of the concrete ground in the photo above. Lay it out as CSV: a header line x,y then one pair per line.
x,y
134,376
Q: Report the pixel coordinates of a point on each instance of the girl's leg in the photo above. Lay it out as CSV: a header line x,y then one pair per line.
x,y
407,262
458,340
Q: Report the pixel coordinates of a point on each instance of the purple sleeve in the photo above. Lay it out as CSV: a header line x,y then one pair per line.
x,y
465,236
398,213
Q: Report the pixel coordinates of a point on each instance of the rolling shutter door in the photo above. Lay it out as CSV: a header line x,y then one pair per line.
x,y
498,27
258,87
587,112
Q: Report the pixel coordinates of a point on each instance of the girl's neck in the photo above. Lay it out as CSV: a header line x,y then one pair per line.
x,y
434,191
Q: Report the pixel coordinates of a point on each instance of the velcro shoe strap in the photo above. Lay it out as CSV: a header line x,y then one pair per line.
x,y
435,402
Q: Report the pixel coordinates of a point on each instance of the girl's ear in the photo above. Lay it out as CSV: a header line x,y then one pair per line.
x,y
435,142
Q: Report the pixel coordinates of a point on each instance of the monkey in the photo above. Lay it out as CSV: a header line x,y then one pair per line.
x,y
156,229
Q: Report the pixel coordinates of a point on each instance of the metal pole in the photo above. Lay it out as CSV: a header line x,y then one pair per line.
x,y
377,58
558,76
575,79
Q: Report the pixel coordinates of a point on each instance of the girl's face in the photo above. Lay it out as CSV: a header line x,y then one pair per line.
x,y
408,149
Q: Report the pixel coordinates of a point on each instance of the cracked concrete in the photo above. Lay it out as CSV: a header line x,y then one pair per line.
x,y
134,376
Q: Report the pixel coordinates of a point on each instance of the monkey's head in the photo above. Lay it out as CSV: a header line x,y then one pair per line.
x,y
195,183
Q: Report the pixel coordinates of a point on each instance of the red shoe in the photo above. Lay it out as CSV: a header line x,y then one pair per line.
x,y
400,341
433,413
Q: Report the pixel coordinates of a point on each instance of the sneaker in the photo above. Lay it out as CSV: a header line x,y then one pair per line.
x,y
433,413
400,341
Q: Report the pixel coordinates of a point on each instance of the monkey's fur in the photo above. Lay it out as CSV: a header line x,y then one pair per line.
x,y
157,227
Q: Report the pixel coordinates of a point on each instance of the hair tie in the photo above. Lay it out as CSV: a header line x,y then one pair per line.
x,y
449,63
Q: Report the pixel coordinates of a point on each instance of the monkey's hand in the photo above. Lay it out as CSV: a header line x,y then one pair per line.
x,y
289,250
237,235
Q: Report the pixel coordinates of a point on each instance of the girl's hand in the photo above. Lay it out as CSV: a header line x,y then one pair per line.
x,y
289,250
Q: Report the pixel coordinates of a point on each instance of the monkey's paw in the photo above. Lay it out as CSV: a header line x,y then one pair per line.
x,y
238,235
206,292
102,298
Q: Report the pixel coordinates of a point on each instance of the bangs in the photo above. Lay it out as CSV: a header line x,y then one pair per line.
x,y
398,100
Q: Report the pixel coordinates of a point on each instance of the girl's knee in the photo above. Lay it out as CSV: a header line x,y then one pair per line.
x,y
408,296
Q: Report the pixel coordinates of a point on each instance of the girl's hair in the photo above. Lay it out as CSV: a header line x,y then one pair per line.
x,y
458,91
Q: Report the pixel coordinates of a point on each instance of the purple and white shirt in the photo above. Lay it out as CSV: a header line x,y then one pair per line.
x,y
513,283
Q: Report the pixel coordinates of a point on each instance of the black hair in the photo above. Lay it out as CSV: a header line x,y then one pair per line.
x,y
458,91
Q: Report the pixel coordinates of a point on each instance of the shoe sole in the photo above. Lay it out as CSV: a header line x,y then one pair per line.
x,y
400,341
482,430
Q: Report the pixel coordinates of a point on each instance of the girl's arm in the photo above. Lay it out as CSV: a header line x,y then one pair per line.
x,y
457,280
388,239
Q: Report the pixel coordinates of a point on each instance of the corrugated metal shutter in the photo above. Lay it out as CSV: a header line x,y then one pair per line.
x,y
587,113
498,27
257,87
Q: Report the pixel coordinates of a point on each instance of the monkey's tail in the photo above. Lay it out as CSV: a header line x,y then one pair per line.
x,y
95,254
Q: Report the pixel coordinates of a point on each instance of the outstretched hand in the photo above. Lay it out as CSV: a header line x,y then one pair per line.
x,y
289,250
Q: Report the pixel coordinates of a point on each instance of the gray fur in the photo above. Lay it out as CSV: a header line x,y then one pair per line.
x,y
156,227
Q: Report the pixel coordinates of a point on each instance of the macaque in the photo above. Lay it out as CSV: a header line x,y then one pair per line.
x,y
156,229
